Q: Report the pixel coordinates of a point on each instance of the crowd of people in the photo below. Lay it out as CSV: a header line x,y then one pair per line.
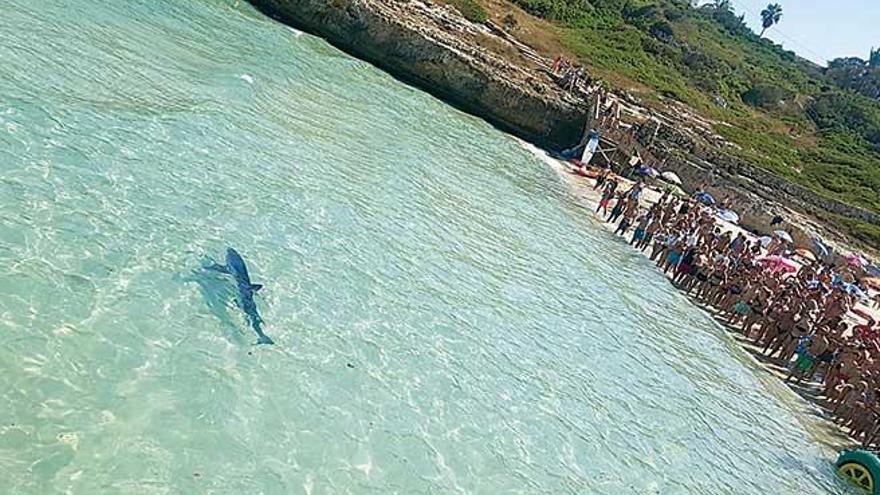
x,y
572,77
803,317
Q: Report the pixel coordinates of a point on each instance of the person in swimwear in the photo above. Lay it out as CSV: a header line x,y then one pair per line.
x,y
673,256
627,220
650,231
601,178
757,306
607,196
684,265
618,209
640,231
809,349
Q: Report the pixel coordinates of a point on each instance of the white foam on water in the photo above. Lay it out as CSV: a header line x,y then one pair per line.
x,y
247,78
559,166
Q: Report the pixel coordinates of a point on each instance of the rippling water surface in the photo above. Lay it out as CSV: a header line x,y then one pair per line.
x,y
447,318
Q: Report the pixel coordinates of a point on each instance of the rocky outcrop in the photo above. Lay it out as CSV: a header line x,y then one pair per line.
x,y
434,48
485,71
680,151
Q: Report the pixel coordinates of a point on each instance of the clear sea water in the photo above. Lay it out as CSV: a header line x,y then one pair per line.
x,y
448,318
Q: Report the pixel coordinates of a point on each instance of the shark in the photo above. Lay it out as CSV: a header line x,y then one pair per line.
x,y
236,267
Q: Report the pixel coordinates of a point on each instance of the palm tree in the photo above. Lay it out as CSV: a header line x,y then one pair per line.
x,y
722,5
770,16
874,58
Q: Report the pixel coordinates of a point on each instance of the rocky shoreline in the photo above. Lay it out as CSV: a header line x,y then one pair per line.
x,y
432,47
485,71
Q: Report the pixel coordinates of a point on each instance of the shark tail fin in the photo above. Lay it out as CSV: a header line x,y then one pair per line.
x,y
264,339
256,287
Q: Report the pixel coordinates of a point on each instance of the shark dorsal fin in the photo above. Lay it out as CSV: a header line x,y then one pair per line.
x,y
256,287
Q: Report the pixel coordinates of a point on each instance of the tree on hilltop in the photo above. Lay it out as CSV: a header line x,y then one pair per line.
x,y
770,16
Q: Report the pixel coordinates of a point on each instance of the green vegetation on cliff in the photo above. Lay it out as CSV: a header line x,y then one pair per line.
x,y
817,127
470,9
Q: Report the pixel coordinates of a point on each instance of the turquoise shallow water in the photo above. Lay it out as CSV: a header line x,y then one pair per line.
x,y
448,319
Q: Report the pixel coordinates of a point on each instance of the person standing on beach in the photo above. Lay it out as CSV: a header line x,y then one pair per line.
x,y
607,195
683,270
635,191
601,178
659,246
618,209
628,217
673,255
640,232
611,182
809,352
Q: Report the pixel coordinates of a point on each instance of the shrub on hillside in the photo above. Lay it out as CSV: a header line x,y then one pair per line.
x,y
841,111
567,11
471,10
767,96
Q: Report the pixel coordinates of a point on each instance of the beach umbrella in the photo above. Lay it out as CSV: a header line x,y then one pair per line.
x,y
765,240
856,260
806,254
781,234
705,198
854,290
671,177
675,190
822,249
778,264
727,215
649,171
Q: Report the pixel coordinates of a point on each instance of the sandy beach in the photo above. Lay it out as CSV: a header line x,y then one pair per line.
x,y
814,405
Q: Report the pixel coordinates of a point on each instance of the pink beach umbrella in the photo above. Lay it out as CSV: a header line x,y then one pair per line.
x,y
855,259
778,264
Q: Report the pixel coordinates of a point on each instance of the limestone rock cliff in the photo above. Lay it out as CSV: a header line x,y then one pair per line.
x,y
483,70
426,45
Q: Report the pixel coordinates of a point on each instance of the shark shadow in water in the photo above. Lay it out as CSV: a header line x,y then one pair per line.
x,y
217,293
236,268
